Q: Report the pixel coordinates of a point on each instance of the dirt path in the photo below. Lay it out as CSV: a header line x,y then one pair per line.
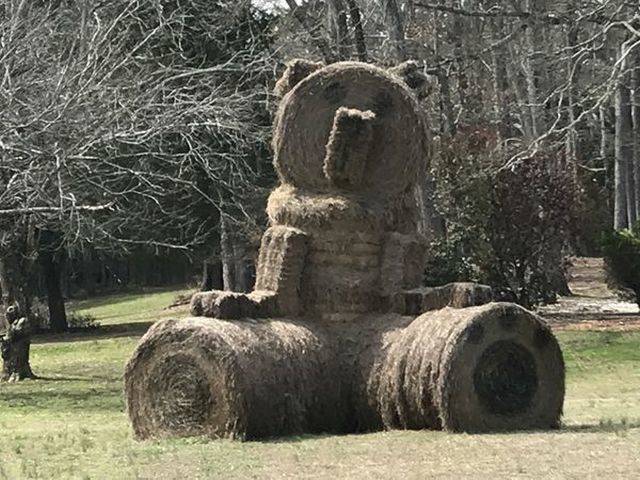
x,y
592,306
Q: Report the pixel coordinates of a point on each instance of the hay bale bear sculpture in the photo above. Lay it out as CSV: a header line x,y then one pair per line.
x,y
329,340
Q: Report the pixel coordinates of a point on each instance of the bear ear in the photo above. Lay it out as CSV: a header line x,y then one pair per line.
x,y
411,73
296,71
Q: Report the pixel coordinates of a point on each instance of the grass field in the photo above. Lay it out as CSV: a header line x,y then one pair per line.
x,y
71,423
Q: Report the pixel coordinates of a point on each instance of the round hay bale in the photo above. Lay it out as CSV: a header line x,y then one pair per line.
x,y
488,368
363,346
243,380
398,139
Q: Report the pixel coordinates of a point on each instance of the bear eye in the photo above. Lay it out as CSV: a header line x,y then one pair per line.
x,y
335,92
382,103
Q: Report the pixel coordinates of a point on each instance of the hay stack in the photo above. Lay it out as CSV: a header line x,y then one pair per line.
x,y
457,295
349,143
200,376
342,263
396,150
487,368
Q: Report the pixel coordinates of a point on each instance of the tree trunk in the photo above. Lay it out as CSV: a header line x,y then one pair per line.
x,y
519,94
89,273
244,267
574,72
7,294
395,27
624,213
531,68
226,257
51,272
316,37
500,82
635,115
628,154
14,349
606,143
17,282
211,276
338,19
447,118
358,33
432,224
607,134
457,26
15,360
446,105
239,254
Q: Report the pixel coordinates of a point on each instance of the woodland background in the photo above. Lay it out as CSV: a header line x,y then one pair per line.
x,y
134,135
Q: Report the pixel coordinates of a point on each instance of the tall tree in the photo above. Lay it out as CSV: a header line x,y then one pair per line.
x,y
395,27
338,22
50,251
635,114
355,18
624,214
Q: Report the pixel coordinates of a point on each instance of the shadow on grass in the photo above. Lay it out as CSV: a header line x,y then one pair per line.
x,y
305,437
72,379
603,427
131,329
100,398
607,426
576,317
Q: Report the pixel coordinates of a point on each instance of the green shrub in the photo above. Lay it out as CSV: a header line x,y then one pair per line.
x,y
78,321
621,251
530,222
447,263
508,226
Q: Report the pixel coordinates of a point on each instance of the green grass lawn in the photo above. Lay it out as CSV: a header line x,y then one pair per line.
x,y
71,423
131,308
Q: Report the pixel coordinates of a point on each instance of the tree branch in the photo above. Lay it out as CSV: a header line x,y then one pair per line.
x,y
32,210
549,18
319,42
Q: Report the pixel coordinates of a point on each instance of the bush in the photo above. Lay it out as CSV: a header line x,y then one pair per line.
x,y
530,224
505,226
621,251
463,178
78,321
447,263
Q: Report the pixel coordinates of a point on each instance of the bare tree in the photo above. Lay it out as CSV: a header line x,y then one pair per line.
x,y
128,130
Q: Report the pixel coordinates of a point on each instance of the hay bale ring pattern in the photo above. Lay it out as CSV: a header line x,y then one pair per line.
x,y
244,380
181,399
488,368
